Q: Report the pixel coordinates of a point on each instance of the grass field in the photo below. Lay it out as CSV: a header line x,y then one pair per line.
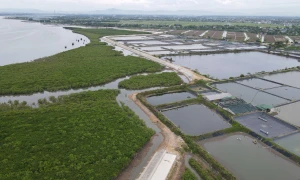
x,y
81,136
91,65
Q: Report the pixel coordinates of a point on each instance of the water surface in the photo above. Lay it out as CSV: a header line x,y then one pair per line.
x,y
258,83
249,161
223,66
289,113
24,41
169,98
291,143
196,119
286,92
250,95
289,78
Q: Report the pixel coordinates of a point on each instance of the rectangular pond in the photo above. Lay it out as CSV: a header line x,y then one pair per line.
x,y
223,66
196,119
249,161
169,98
258,83
291,143
265,125
286,92
289,78
250,95
290,113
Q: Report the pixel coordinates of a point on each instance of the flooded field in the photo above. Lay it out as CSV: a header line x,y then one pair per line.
x,y
34,40
249,161
250,95
291,143
223,66
169,98
289,78
265,125
258,83
289,113
196,119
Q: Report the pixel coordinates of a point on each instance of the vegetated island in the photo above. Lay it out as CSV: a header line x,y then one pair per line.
x,y
94,64
165,79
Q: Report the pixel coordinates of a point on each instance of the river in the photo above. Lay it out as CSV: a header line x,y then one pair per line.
x,y
25,41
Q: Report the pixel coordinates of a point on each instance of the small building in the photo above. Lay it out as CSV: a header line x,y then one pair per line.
x,y
264,107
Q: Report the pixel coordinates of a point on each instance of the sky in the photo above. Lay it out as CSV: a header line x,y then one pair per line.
x,y
251,7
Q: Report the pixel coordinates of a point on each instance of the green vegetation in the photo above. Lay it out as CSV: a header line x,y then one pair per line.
x,y
152,80
203,173
81,136
188,175
94,64
13,105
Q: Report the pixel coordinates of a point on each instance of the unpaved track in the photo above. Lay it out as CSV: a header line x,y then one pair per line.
x,y
171,142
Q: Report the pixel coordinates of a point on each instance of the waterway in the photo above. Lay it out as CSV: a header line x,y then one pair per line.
x,y
27,41
250,161
223,66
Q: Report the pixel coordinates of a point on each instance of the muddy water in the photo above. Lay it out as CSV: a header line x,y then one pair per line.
x,y
169,98
232,65
134,172
291,143
196,119
250,161
289,113
250,95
